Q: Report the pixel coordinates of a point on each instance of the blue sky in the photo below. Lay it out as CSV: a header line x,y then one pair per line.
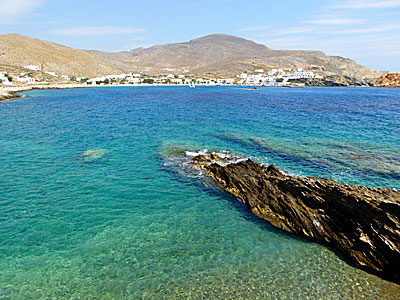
x,y
365,30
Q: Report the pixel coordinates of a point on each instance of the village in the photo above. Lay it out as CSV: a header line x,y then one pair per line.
x,y
260,77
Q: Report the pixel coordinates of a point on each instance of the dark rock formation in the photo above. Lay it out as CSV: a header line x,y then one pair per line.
x,y
343,81
364,223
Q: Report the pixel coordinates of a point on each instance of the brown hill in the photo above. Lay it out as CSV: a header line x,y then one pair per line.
x,y
221,54
213,55
18,50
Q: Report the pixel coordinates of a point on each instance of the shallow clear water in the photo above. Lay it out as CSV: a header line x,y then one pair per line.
x,y
116,222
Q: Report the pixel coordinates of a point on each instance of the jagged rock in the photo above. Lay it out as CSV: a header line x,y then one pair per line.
x,y
364,223
389,80
343,81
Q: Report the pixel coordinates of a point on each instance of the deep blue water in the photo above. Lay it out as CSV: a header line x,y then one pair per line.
x,y
116,222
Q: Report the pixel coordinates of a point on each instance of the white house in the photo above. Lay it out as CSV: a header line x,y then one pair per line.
x,y
255,79
4,79
226,81
51,73
133,80
32,67
65,77
299,75
25,79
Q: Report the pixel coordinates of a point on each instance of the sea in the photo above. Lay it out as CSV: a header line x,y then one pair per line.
x,y
92,205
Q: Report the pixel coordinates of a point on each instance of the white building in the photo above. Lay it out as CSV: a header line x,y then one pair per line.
x,y
255,79
118,77
51,73
273,72
93,81
300,75
25,79
65,77
4,79
259,71
226,81
32,67
134,80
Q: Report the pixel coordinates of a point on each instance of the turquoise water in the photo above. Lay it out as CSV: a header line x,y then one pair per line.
x,y
90,209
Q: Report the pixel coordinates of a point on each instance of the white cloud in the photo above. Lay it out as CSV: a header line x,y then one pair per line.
x,y
368,4
375,29
11,9
96,31
253,28
335,21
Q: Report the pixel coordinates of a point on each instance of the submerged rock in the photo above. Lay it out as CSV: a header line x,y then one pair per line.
x,y
93,155
364,223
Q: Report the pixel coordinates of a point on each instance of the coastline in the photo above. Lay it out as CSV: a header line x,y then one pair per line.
x,y
362,223
11,92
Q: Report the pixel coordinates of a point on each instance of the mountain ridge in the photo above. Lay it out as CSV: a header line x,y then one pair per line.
x,y
210,55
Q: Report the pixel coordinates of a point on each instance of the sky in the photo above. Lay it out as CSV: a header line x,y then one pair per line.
x,y
365,30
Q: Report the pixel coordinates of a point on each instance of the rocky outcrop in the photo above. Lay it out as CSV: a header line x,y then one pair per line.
x,y
6,95
389,80
343,81
364,223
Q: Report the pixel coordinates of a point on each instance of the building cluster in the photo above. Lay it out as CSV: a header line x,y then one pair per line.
x,y
275,77
6,79
166,79
28,77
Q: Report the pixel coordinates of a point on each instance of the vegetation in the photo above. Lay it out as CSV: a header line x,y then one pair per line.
x,y
279,80
148,80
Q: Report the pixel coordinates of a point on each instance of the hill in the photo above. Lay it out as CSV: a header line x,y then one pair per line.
x,y
18,50
212,55
226,55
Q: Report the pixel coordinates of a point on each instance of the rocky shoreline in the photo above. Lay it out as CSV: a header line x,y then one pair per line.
x,y
363,223
11,92
337,81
